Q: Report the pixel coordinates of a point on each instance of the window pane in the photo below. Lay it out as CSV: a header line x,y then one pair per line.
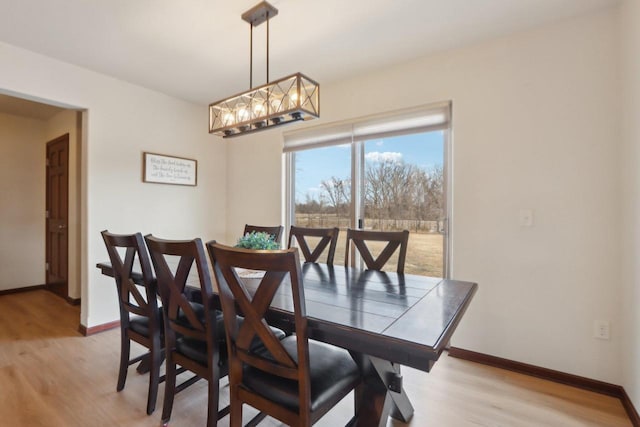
x,y
403,189
323,191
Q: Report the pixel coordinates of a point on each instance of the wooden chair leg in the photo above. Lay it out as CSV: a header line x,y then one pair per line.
x,y
154,379
125,346
214,390
235,416
169,390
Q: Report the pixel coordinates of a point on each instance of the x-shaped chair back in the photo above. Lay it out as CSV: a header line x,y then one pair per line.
x,y
131,299
188,323
137,297
394,239
282,268
328,237
180,313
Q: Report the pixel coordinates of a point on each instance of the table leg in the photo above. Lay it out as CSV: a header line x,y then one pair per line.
x,y
389,374
145,365
382,394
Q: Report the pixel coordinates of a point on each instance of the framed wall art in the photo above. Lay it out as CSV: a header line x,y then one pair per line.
x,y
162,169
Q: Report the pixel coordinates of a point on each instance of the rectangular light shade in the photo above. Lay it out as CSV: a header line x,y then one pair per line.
x,y
282,101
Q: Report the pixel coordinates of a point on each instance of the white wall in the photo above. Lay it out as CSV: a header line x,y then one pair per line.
x,y
122,121
22,202
535,126
630,100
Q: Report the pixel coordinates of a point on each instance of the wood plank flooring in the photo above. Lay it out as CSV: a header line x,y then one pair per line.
x,y
52,376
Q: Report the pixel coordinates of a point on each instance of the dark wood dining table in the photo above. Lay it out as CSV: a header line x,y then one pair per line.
x,y
383,319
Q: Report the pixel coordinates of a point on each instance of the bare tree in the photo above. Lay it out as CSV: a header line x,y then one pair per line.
x,y
394,191
338,191
401,191
434,193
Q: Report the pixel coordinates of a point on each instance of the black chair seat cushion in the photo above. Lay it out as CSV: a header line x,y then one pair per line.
x,y
332,370
197,350
198,309
140,324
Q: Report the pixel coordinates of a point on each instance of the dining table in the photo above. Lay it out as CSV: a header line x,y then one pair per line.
x,y
384,319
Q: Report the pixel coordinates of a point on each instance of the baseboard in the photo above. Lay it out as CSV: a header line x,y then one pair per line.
x,y
99,328
73,301
20,290
631,410
551,375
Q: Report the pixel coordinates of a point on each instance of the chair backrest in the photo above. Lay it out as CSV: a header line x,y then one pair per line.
x,y
131,299
394,239
275,231
328,237
173,260
282,268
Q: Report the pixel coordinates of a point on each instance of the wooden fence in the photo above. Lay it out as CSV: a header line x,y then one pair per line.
x,y
329,220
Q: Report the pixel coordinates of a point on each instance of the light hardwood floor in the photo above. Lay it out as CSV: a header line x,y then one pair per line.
x,y
52,376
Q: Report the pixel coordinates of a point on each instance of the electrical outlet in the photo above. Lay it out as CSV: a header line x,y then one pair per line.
x,y
601,329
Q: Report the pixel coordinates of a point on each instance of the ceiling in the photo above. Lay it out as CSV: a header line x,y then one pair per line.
x,y
198,50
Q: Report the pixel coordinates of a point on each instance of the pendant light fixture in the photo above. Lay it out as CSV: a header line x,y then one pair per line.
x,y
286,100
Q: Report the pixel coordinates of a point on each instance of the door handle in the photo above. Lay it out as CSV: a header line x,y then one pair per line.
x,y
60,227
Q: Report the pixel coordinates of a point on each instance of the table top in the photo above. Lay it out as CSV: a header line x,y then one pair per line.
x,y
403,318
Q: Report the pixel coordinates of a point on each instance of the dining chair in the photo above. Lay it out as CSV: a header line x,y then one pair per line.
x,y
328,237
394,240
275,231
194,331
140,317
295,380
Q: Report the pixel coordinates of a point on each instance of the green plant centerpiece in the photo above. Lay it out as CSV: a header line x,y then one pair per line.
x,y
257,240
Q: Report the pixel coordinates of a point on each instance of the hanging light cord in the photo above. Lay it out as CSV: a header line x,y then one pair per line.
x,y
251,52
267,47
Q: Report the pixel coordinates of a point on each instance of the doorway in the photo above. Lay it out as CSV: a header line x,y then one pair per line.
x,y
57,216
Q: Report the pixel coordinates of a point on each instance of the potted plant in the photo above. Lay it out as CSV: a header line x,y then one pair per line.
x,y
257,240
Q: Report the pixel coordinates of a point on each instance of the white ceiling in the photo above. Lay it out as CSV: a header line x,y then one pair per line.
x,y
198,50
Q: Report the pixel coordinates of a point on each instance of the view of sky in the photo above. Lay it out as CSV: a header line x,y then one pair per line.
x,y
313,166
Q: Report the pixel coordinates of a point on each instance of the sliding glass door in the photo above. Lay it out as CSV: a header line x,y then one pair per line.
x,y
323,191
403,189
389,182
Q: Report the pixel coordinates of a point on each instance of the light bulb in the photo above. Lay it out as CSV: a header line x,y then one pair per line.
x,y
276,105
227,119
258,109
293,99
242,113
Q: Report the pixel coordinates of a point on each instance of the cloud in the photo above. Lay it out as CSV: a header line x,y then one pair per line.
x,y
381,157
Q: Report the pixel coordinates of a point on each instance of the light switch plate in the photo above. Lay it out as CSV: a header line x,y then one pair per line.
x,y
601,329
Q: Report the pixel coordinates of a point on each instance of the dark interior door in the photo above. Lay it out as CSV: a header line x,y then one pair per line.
x,y
57,215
